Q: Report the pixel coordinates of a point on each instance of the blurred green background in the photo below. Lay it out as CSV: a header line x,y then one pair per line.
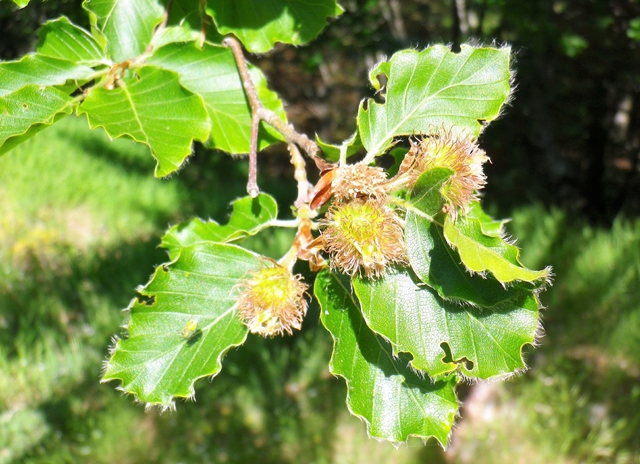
x,y
81,218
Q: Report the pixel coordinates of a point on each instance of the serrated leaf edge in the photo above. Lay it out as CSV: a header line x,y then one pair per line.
x,y
115,340
391,356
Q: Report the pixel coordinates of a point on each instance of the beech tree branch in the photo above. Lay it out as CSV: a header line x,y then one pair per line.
x,y
260,113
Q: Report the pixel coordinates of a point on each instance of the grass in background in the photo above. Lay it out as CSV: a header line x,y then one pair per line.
x,y
80,220
580,402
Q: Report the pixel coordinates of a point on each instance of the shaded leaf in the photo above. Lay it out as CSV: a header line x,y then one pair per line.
x,y
138,108
259,24
392,399
186,325
126,24
249,216
212,73
185,23
41,70
433,88
442,335
482,253
425,195
25,112
63,40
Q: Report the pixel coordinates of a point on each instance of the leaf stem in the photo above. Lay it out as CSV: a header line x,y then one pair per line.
x,y
290,223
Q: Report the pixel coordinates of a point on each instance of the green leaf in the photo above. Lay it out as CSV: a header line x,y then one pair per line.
x,y
151,108
27,111
41,70
249,216
259,24
433,88
490,226
126,24
185,23
63,40
439,266
212,73
393,400
21,3
482,253
442,335
332,152
184,325
425,195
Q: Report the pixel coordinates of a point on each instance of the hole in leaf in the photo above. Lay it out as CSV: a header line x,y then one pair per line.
x,y
483,122
147,300
448,357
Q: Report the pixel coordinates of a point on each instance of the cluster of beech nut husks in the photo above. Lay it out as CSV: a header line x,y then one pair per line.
x,y
362,232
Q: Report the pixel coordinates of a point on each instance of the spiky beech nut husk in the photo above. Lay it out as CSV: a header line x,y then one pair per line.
x,y
363,236
359,181
272,301
461,154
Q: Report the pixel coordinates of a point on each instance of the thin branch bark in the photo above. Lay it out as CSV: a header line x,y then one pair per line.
x,y
260,113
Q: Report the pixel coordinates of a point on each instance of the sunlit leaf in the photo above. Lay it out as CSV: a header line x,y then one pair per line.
x,y
184,323
126,24
249,216
332,152
41,70
152,108
21,3
25,112
438,265
259,24
490,226
435,88
393,400
63,40
442,335
483,253
211,72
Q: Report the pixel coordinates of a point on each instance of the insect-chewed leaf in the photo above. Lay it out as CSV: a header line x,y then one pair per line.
x,y
393,400
435,88
186,325
483,342
249,216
